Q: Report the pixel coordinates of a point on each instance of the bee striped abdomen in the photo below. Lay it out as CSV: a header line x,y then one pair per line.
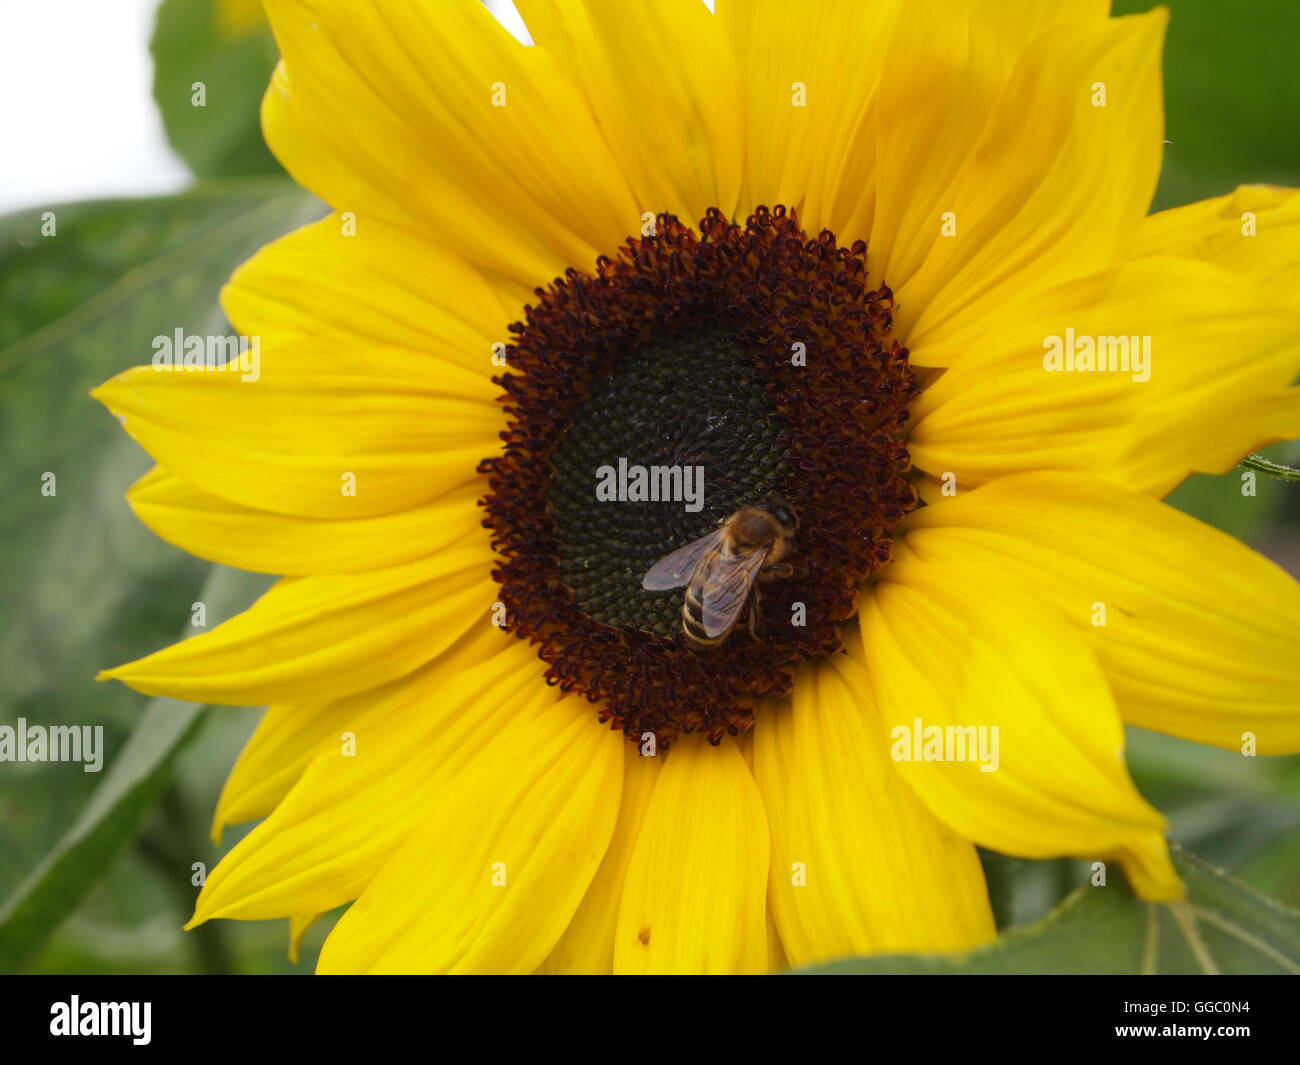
x,y
693,618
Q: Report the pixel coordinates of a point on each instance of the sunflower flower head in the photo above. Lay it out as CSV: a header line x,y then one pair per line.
x,y
681,359
831,308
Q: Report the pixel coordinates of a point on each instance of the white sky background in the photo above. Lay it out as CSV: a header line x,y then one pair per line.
x,y
77,117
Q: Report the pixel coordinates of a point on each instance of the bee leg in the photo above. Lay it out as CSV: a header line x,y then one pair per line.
x,y
778,572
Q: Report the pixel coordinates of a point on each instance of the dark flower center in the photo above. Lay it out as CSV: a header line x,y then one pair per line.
x,y
688,377
687,401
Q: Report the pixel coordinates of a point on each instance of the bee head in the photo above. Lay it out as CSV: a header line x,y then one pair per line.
x,y
780,510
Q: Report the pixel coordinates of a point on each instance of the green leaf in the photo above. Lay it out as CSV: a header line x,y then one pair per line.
x,y
1224,927
83,585
209,77
137,777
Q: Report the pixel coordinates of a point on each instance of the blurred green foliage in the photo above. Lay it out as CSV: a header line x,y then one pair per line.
x,y
202,52
96,868
92,586
1108,931
1232,97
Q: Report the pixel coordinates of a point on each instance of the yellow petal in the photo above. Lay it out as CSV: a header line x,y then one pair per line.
x,y
587,946
279,750
488,880
963,652
373,282
1198,632
1213,351
483,144
325,429
349,812
859,865
1043,200
777,959
291,735
325,637
1254,231
808,83
292,545
237,18
945,68
695,897
298,927
661,80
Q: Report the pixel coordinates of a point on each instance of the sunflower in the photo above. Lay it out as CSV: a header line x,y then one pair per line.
x,y
237,18
890,263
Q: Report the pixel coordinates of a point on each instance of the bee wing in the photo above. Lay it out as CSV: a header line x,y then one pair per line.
x,y
676,569
724,590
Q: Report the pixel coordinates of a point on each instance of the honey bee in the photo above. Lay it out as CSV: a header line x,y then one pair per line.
x,y
721,571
